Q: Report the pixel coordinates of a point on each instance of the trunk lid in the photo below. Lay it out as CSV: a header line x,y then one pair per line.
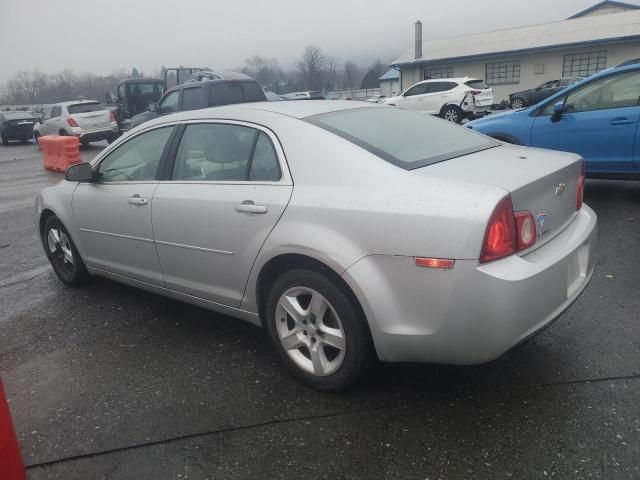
x,y
541,181
93,120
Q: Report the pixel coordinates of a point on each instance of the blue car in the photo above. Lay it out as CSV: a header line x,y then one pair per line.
x,y
597,118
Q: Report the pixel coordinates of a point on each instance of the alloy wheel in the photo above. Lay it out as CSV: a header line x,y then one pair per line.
x,y
310,331
451,115
517,104
60,249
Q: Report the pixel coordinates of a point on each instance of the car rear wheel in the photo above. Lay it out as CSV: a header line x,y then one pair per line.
x,y
452,113
317,331
62,253
517,103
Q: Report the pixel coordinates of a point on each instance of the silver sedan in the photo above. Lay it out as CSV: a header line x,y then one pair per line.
x,y
350,231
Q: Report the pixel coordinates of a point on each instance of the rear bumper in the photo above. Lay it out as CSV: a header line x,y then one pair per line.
x,y
473,313
18,133
95,135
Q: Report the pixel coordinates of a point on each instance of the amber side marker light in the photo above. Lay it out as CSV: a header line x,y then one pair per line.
x,y
445,263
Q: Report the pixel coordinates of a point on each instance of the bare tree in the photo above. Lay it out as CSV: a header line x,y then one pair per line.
x,y
372,77
312,67
351,74
265,70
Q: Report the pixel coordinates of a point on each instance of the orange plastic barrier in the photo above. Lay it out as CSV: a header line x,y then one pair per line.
x,y
59,152
11,465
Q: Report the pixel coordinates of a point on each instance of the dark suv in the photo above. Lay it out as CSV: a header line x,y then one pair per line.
x,y
210,90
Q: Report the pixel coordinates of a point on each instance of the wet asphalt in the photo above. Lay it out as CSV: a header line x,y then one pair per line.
x,y
109,382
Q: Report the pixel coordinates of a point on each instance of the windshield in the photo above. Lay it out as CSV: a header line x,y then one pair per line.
x,y
406,139
18,116
86,107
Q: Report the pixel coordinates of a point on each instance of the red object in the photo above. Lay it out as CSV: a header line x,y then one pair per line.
x,y
445,263
59,152
508,232
500,239
112,117
72,122
11,464
475,92
526,230
580,188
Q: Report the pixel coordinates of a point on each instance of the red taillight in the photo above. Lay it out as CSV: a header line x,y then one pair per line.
x,y
72,122
580,187
508,232
112,117
500,239
525,229
475,92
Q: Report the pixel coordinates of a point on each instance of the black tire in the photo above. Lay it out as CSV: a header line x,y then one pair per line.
x,y
358,355
5,140
36,137
452,113
517,103
63,133
72,273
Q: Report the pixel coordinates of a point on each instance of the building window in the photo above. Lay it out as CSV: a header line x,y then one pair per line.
x,y
584,64
502,73
445,72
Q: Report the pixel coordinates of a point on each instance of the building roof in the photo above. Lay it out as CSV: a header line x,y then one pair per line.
x,y
606,3
588,30
391,74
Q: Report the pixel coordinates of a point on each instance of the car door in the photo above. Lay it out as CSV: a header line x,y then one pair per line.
x,y
192,98
228,188
46,115
599,122
54,124
413,98
170,103
439,95
113,213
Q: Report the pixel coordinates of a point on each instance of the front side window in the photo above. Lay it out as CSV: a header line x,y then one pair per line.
x,y
417,90
170,103
137,159
56,112
47,113
584,64
406,139
192,98
503,73
616,91
225,153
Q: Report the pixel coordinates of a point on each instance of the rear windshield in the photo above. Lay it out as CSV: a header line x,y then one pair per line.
x,y
17,116
86,107
479,84
406,139
316,96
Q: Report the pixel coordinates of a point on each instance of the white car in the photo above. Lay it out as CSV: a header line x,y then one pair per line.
x,y
450,98
88,120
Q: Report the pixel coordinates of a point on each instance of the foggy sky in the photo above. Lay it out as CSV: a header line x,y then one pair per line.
x,y
100,36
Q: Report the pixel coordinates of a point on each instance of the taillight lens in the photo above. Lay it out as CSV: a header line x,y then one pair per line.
x,y
580,187
112,117
72,122
508,232
526,230
475,92
500,238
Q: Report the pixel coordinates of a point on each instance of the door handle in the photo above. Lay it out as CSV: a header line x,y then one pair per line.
x,y
620,121
137,200
249,207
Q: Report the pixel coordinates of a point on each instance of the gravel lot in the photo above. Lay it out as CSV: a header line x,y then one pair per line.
x,y
109,382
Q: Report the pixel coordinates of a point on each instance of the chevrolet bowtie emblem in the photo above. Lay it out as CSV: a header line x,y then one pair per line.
x,y
560,189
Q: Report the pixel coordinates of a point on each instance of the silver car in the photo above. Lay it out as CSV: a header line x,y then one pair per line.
x,y
88,120
350,231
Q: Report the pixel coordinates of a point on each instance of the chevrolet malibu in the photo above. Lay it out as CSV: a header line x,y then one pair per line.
x,y
350,232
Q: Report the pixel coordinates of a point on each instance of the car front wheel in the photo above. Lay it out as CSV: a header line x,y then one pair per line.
x,y
317,331
62,253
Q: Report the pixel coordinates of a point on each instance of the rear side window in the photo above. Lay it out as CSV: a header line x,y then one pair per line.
x,y
56,112
224,153
86,107
225,94
192,98
253,92
477,84
406,139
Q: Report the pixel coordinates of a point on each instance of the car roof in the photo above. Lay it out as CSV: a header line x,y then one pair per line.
x,y
189,84
299,110
459,80
74,102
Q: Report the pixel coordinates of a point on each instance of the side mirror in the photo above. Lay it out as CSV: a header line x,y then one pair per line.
x,y
153,107
81,172
558,110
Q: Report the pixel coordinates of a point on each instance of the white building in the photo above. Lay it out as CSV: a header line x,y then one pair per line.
x,y
517,59
390,83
